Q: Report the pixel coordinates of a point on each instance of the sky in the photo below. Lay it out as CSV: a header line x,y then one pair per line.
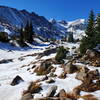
x,y
58,9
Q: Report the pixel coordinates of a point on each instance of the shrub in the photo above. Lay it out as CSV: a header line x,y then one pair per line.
x,y
61,54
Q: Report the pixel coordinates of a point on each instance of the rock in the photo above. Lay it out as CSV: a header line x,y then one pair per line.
x,y
84,69
44,68
17,80
6,61
34,88
45,78
90,53
27,96
89,97
70,68
47,52
62,93
93,75
52,91
81,76
50,81
73,47
76,92
89,86
62,76
52,74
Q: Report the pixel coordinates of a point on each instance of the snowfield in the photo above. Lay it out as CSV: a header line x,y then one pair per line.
x,y
21,60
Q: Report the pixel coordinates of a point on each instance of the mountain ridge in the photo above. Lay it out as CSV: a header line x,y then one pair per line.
x,y
12,19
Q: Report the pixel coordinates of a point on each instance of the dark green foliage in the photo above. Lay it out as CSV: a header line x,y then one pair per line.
x,y
88,42
61,54
70,37
97,28
90,30
26,34
4,37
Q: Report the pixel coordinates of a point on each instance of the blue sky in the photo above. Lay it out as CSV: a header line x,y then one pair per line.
x,y
58,9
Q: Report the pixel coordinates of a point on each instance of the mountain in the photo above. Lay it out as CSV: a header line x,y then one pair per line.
x,y
77,27
12,19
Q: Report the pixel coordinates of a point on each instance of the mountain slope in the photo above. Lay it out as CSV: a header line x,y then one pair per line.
x,y
77,27
12,19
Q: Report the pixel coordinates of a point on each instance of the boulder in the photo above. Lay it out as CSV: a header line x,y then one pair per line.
x,y
62,93
27,96
47,52
52,91
81,76
50,81
76,92
62,76
90,53
16,80
70,68
34,88
44,68
84,69
6,61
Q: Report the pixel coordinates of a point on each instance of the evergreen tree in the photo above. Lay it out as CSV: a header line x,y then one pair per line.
x,y
90,30
21,34
70,37
31,33
88,42
28,32
97,37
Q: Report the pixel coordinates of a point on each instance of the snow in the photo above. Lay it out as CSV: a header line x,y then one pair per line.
x,y
8,71
8,92
75,22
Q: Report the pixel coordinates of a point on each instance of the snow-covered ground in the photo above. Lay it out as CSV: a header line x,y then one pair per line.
x,y
24,57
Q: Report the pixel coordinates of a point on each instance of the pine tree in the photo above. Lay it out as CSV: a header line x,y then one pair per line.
x,y
31,33
70,37
88,42
98,29
28,32
21,34
90,30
